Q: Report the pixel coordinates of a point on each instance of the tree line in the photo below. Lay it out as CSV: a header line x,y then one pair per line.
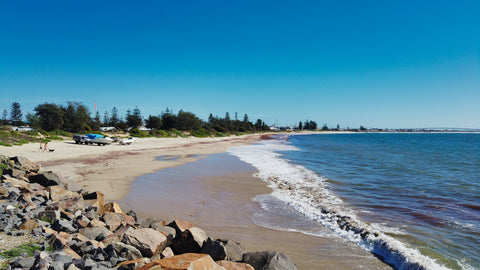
x,y
76,117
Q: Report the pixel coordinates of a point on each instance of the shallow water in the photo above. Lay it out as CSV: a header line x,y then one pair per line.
x,y
412,199
219,194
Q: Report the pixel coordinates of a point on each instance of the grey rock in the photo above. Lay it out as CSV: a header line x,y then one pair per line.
x,y
132,214
223,250
61,225
24,263
147,222
64,258
123,250
268,260
93,233
56,265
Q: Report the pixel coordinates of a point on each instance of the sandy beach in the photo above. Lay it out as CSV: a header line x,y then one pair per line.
x,y
112,168
216,194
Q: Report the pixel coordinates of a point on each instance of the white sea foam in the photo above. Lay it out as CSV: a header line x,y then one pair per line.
x,y
308,193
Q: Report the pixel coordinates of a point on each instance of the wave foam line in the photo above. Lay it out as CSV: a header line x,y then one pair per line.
x,y
307,193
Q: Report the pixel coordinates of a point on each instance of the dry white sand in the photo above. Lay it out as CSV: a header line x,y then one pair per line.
x,y
111,168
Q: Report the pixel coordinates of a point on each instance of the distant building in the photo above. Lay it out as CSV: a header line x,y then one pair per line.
x,y
274,128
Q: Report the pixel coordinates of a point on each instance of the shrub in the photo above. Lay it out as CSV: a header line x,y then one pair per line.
x,y
159,133
220,134
135,132
4,144
201,133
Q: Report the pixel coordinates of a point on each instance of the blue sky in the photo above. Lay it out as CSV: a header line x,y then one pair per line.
x,y
386,64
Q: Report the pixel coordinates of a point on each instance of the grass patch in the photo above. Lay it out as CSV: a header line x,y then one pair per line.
x,y
3,166
26,250
5,143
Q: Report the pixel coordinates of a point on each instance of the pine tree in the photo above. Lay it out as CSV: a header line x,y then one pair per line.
x,y
16,114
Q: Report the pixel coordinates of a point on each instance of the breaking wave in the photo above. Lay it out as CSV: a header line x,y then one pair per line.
x,y
308,193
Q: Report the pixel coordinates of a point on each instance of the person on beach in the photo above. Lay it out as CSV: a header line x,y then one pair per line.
x,y
41,147
45,147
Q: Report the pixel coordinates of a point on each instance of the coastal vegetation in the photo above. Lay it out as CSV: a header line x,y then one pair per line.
x,y
53,121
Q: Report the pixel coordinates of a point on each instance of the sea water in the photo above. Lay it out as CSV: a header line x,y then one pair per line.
x,y
412,199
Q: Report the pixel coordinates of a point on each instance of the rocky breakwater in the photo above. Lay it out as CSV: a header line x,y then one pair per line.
x,y
72,228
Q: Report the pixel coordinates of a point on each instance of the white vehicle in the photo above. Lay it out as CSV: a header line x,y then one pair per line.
x,y
126,141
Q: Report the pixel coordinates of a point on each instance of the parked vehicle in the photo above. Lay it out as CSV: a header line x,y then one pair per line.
x,y
92,139
126,141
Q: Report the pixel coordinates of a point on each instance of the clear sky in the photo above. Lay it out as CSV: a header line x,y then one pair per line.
x,y
386,64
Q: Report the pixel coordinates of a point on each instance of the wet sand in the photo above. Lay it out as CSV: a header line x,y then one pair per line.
x,y
216,193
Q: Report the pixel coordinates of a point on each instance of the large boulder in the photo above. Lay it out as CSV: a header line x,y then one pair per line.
x,y
123,250
268,260
112,207
223,250
189,241
147,240
96,199
95,232
180,226
185,261
58,193
229,265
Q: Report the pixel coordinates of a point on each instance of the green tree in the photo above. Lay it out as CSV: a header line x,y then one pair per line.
x,y
134,120
50,116
187,121
300,125
76,117
153,122
115,119
32,120
169,121
4,117
16,114
106,119
245,118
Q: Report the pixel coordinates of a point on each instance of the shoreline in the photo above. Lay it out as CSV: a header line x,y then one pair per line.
x,y
111,169
217,194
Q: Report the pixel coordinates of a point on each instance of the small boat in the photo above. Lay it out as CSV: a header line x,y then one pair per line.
x,y
126,141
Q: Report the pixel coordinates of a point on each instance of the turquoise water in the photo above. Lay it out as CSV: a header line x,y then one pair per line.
x,y
411,199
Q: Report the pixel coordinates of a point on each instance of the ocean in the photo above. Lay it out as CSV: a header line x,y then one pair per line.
x,y
411,199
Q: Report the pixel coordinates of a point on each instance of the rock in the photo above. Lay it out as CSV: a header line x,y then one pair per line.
x,y
56,266
14,173
147,222
71,204
180,226
113,220
112,207
22,162
229,265
23,262
184,262
50,215
29,225
167,253
96,223
189,241
93,233
58,193
223,250
269,260
61,225
169,232
147,240
123,250
96,199
131,265
132,214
